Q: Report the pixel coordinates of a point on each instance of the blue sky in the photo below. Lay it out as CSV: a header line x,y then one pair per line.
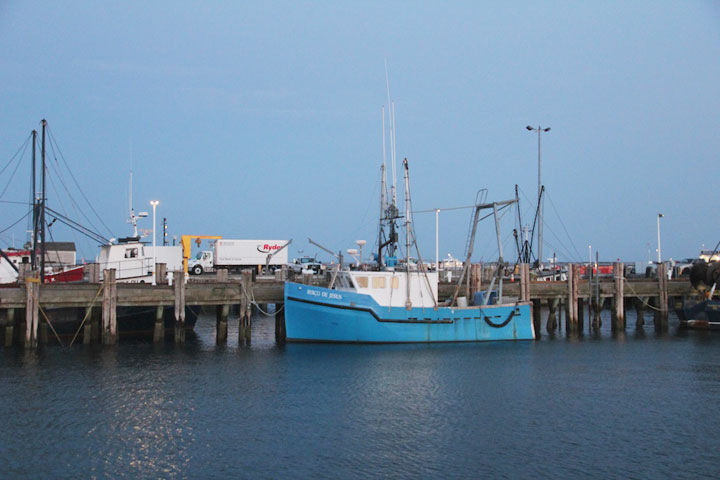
x,y
263,119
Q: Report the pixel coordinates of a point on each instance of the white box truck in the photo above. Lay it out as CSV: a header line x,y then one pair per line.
x,y
240,254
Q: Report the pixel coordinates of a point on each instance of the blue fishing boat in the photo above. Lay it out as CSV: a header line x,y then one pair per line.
x,y
398,303
357,313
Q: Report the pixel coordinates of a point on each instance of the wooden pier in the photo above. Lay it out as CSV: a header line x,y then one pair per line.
x,y
27,309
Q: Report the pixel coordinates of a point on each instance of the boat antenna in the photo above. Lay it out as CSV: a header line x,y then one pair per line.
x,y
408,302
393,145
383,180
391,114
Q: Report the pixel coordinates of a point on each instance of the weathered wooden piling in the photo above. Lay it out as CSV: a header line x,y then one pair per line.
x,y
31,312
597,305
580,315
109,307
537,316
221,323
571,324
619,298
280,334
640,304
221,275
244,330
87,326
161,273
24,271
662,298
551,324
524,273
93,272
159,327
10,327
179,290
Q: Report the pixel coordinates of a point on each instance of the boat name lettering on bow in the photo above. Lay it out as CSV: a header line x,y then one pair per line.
x,y
316,293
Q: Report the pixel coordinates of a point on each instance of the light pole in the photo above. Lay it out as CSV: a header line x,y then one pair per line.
x,y
539,130
437,239
154,204
590,253
660,215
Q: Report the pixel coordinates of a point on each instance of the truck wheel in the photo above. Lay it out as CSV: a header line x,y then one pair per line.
x,y
197,270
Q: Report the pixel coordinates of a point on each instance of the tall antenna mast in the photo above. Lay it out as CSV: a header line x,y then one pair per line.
x,y
383,186
408,302
391,114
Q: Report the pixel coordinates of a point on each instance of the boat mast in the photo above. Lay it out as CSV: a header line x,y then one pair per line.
x,y
133,218
383,186
33,255
42,208
408,303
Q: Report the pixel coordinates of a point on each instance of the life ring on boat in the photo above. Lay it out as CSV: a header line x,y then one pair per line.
x,y
499,325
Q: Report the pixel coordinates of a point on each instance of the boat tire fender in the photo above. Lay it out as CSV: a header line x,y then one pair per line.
x,y
499,325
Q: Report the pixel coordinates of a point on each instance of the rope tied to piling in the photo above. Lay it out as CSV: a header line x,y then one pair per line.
x,y
251,300
42,310
644,302
86,315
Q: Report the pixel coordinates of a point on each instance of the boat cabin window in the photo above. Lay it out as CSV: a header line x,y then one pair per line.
x,y
343,282
362,282
395,283
131,253
378,282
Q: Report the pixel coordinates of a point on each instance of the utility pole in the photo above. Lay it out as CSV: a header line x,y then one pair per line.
x,y
42,208
33,255
539,130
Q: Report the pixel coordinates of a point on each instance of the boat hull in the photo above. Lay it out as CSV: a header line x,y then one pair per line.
x,y
316,314
704,315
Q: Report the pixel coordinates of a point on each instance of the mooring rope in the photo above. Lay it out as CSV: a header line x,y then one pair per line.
x,y
35,297
251,299
645,303
86,316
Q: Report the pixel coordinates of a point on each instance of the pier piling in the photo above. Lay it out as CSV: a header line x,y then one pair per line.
x,y
221,323
537,316
93,271
619,298
10,327
662,298
571,324
87,327
179,290
551,324
280,323
161,273
159,327
109,307
245,306
524,282
31,312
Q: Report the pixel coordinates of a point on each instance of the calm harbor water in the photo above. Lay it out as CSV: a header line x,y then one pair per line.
x,y
640,405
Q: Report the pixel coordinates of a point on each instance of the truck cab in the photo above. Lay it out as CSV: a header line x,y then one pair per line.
x,y
305,265
203,262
